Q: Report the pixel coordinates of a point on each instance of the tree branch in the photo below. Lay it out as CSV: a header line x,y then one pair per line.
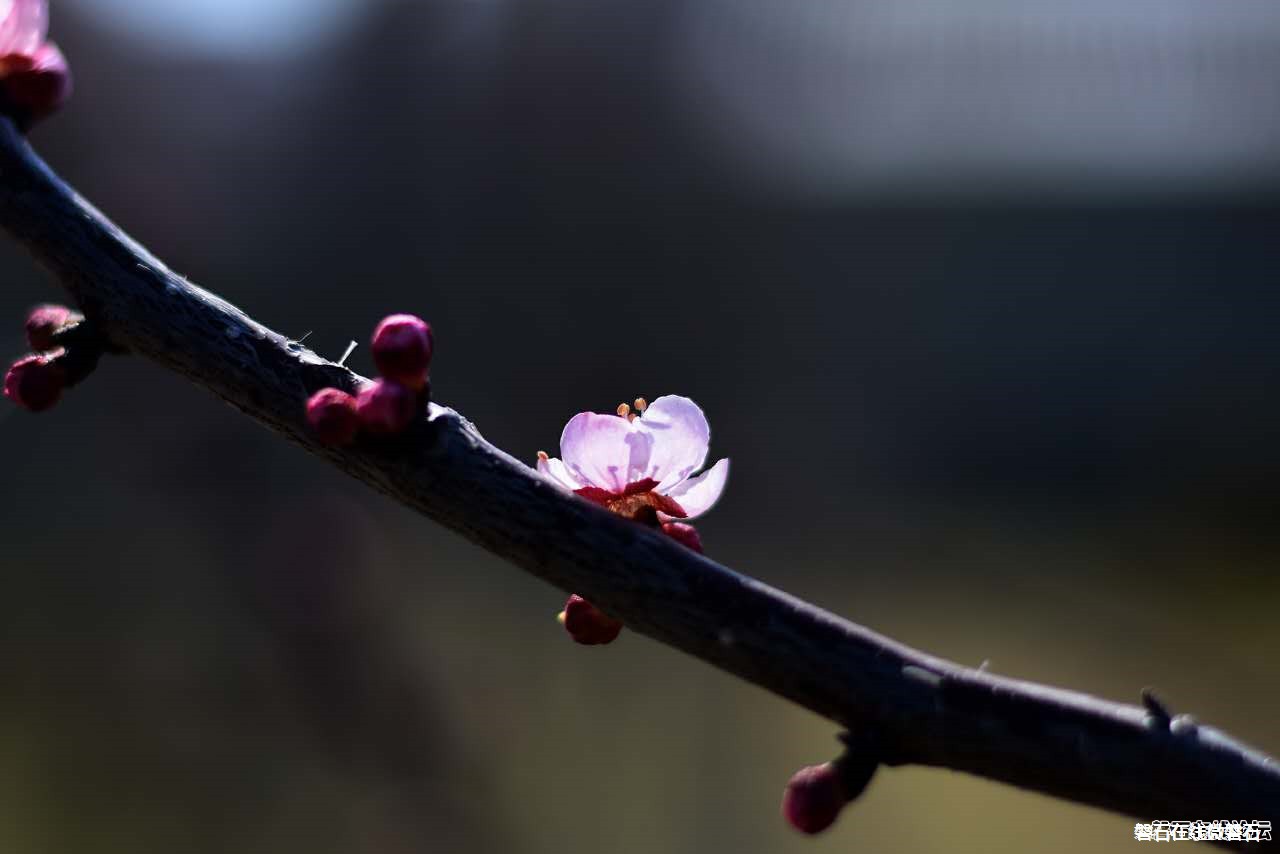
x,y
914,708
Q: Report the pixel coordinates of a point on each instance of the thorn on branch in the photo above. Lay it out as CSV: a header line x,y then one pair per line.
x,y
1160,716
1158,713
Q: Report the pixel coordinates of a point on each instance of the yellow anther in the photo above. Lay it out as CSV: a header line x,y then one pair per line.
x,y
560,618
623,410
641,404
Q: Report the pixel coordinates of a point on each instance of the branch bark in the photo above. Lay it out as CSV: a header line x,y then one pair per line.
x,y
913,707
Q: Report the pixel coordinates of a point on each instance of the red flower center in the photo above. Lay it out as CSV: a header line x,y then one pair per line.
x,y
638,501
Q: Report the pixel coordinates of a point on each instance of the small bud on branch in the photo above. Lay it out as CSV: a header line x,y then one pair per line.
x,y
385,407
587,624
44,322
35,382
813,798
331,414
402,348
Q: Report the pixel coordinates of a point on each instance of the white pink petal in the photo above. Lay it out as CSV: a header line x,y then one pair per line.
x,y
697,495
559,472
680,436
604,450
23,25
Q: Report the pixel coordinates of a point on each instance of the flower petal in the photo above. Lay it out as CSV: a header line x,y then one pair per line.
x,y
697,495
559,472
24,25
680,437
604,450
596,495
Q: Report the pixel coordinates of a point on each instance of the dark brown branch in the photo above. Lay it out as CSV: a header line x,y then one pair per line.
x,y
918,709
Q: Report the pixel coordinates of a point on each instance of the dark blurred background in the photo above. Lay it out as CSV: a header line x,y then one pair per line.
x,y
979,298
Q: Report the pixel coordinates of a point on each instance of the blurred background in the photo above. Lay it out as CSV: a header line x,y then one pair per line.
x,y
979,298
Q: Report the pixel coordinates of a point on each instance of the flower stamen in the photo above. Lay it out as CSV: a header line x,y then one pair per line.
x,y
624,411
641,405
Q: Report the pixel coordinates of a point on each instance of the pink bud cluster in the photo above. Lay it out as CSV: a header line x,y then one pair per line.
x,y
36,381
402,348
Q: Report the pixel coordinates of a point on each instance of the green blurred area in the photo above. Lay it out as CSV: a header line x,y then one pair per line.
x,y
1035,434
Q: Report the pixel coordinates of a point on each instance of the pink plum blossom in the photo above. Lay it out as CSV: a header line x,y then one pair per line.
x,y
630,463
35,79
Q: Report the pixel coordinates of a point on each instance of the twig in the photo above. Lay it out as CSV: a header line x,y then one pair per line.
x,y
921,709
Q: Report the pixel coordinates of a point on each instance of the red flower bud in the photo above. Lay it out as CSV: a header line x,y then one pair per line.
x,y
331,413
36,84
684,534
46,321
813,798
587,624
35,383
386,407
402,348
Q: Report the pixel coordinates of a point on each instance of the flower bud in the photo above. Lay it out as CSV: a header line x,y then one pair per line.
x,y
813,798
331,414
36,84
35,383
46,321
402,348
587,624
685,534
386,407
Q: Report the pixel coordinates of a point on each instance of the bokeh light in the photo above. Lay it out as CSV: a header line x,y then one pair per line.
x,y
224,27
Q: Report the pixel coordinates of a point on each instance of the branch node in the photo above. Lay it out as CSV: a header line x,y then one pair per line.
x,y
863,754
1158,713
82,346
